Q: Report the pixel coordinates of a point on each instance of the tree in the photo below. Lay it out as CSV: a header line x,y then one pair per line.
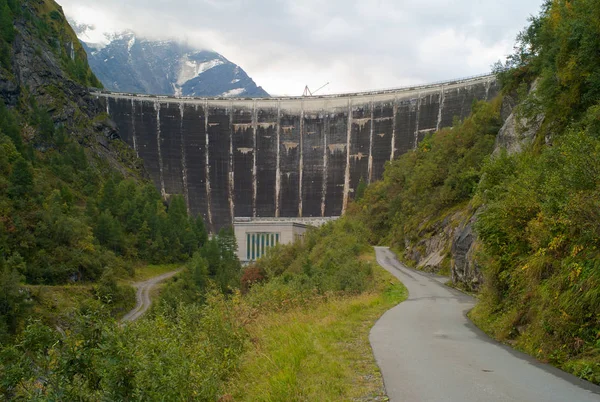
x,y
108,198
7,29
4,55
143,240
223,265
227,243
200,231
9,125
360,190
12,298
177,213
108,230
21,179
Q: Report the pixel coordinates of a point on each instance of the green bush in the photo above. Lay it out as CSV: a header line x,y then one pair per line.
x,y
421,186
185,356
539,227
325,262
540,234
119,298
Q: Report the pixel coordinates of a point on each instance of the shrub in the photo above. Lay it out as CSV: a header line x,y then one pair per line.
x,y
252,275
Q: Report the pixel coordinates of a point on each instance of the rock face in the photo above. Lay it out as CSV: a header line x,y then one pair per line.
x,y
517,131
9,91
515,135
432,252
449,247
50,67
465,270
125,62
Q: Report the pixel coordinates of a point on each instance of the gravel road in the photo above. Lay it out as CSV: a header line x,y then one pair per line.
x,y
142,295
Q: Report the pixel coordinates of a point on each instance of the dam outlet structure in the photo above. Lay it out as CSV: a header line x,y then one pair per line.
x,y
283,156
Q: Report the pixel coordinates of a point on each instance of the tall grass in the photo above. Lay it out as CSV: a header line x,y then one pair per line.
x,y
318,351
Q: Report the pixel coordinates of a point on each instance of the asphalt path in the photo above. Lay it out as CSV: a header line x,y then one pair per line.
x,y
428,350
142,295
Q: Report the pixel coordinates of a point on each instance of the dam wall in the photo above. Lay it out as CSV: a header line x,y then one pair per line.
x,y
284,156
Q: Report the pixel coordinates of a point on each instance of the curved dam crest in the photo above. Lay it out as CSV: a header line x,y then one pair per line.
x,y
285,156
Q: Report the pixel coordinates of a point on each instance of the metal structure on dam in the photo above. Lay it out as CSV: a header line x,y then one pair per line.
x,y
284,156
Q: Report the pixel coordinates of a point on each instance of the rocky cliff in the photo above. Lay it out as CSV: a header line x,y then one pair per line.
x,y
450,244
46,68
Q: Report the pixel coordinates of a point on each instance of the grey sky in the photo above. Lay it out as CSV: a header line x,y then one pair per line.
x,y
355,45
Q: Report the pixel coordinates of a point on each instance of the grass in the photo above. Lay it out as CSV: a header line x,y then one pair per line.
x,y
146,272
53,304
319,352
535,342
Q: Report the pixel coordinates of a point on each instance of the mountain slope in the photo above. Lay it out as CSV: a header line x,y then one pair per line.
x,y
519,224
74,204
125,62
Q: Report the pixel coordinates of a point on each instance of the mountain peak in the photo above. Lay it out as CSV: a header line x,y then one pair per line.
x,y
126,62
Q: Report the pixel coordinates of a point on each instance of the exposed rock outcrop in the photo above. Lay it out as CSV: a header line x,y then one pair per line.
x,y
451,243
432,252
516,134
465,270
49,70
518,131
9,91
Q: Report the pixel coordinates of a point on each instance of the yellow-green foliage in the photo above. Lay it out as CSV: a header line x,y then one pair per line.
x,y
145,272
539,228
67,216
189,347
8,10
560,48
182,355
325,261
542,265
317,351
312,319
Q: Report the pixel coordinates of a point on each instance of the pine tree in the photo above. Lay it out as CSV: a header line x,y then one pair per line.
x,y
7,30
108,198
108,230
200,231
12,300
21,179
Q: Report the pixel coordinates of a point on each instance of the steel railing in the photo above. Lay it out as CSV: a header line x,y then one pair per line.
x,y
285,97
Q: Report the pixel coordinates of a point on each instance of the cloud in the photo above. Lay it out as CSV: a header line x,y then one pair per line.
x,y
354,44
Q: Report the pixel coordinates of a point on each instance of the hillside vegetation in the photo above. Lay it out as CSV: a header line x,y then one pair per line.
x,y
540,228
423,187
537,212
74,208
77,214
298,331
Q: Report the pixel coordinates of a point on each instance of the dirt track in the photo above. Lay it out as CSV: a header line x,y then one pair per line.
x,y
143,301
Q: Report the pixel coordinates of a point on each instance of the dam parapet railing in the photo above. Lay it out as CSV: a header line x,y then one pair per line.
x,y
384,91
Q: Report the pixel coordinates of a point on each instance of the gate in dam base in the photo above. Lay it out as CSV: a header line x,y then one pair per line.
x,y
282,157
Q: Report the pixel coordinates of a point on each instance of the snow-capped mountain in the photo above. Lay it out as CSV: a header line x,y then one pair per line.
x,y
125,62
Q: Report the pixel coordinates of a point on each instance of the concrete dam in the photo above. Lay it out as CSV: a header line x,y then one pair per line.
x,y
285,156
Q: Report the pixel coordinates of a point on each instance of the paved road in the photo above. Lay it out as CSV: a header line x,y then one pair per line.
x,y
142,295
428,350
